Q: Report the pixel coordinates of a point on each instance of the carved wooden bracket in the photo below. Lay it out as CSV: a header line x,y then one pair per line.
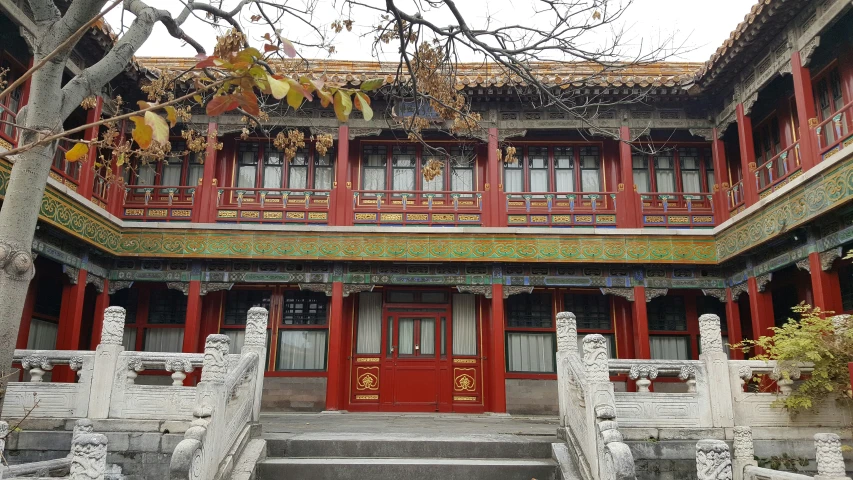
x,y
626,293
718,293
738,289
119,285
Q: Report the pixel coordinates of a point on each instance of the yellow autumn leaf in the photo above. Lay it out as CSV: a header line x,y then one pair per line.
x,y
278,88
362,102
77,152
172,115
159,127
141,132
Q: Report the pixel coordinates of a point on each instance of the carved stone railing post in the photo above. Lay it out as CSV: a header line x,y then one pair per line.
x,y
567,349
4,432
37,365
106,361
713,461
179,367
744,451
717,366
643,374
830,462
88,456
256,341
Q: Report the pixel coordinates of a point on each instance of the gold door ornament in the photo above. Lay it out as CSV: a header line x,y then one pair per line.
x,y
464,379
367,378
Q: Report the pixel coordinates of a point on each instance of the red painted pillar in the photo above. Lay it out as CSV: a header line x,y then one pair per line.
x,y
115,192
498,360
102,301
205,208
721,179
192,325
87,170
826,288
733,325
494,185
340,200
642,349
335,375
624,330
627,200
804,97
747,156
761,311
27,316
70,322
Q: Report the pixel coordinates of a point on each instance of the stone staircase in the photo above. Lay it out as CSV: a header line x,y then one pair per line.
x,y
344,456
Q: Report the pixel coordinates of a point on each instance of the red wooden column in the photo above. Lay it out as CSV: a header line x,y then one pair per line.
x,y
205,207
102,301
761,310
826,288
494,186
642,349
624,330
733,325
627,201
70,322
335,375
340,200
192,324
498,361
27,316
721,178
747,156
87,171
806,111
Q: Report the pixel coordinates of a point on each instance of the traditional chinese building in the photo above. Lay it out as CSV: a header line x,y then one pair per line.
x,y
725,190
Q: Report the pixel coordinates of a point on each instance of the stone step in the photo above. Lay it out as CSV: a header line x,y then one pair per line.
x,y
407,468
482,446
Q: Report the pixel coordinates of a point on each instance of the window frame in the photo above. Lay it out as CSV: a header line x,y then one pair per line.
x,y
577,151
421,157
141,323
16,69
706,166
159,191
309,153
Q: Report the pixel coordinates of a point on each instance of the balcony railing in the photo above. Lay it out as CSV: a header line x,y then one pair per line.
x,y
158,203
677,209
428,208
561,209
272,205
66,173
833,134
779,170
736,198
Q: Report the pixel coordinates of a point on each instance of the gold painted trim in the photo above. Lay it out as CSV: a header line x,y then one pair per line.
x,y
367,397
464,360
367,360
464,399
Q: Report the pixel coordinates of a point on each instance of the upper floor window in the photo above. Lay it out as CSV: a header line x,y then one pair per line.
x,y
767,140
681,170
400,168
261,165
554,169
829,95
13,102
181,168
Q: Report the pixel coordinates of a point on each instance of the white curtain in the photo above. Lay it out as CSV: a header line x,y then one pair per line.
x,y
710,176
374,179
434,185
298,177
164,340
323,178
403,179
42,335
565,180
669,347
369,336
302,350
641,173
246,176
195,171
406,340
428,336
171,175
513,180
272,176
464,325
690,181
530,352
128,340
590,180
236,338
462,180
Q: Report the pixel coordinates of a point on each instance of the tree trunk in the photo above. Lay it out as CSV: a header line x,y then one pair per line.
x,y
18,218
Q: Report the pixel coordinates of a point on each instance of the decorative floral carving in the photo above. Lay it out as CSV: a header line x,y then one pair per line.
x,y
256,327
317,287
830,463
37,365
350,288
718,293
738,289
117,285
784,375
744,372
75,363
485,290
743,446
688,375
841,324
709,333
828,257
804,265
98,282
112,332
134,366
713,461
88,456
595,359
182,287
652,293
761,281
626,293
215,364
508,291
643,374
213,287
83,426
567,332
808,50
179,367
72,273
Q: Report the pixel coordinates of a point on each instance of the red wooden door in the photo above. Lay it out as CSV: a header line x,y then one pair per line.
x,y
412,362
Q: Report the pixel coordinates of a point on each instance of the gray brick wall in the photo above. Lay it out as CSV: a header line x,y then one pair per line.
x,y
531,397
294,394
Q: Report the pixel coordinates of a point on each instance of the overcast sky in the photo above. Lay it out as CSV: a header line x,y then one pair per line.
x,y
700,25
